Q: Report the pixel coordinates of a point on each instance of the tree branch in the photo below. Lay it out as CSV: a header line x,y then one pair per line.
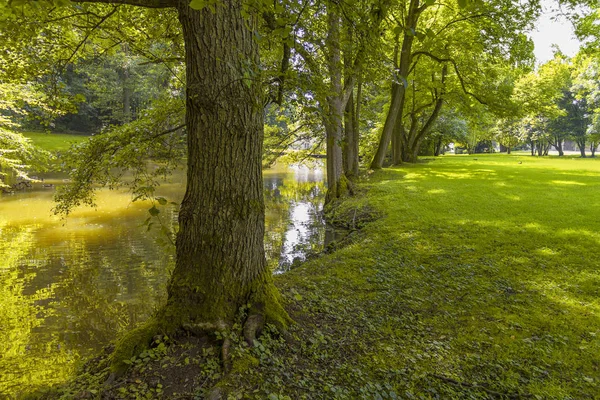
x,y
87,35
460,78
141,3
178,127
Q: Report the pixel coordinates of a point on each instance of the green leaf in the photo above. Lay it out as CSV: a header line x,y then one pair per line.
x,y
430,2
462,3
161,200
154,211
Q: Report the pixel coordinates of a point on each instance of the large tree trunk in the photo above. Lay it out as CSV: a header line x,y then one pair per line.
x,y
220,259
220,263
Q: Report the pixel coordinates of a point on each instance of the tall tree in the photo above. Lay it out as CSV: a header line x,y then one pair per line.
x,y
472,41
220,259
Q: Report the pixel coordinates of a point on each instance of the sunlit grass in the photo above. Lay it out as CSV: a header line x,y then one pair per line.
x,y
485,270
54,141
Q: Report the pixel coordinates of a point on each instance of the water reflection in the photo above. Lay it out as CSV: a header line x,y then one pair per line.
x,y
294,225
68,288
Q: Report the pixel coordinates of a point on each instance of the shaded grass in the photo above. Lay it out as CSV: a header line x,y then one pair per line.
x,y
54,141
481,279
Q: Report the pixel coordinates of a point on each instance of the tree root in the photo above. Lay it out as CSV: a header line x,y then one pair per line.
x,y
253,327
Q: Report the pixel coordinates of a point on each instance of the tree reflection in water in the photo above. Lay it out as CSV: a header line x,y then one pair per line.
x,y
68,288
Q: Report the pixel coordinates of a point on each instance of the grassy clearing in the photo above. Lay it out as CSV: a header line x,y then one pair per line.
x,y
54,141
480,280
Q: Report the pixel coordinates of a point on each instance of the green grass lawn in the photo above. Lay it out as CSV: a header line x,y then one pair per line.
x,y
54,141
481,279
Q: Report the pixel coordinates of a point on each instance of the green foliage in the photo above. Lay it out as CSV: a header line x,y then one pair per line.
x,y
149,148
17,156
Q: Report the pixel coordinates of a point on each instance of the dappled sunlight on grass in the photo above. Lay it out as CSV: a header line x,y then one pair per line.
x,y
555,182
544,251
436,191
482,270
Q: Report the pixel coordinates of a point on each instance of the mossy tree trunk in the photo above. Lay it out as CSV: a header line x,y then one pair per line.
x,y
220,262
220,259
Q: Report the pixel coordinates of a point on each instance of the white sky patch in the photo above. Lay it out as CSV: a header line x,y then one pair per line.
x,y
553,29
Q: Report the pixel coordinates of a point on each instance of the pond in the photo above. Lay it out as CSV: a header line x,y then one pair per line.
x,y
69,287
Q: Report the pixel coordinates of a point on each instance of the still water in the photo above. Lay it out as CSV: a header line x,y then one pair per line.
x,y
68,287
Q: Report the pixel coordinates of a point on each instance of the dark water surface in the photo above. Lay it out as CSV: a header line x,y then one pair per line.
x,y
67,288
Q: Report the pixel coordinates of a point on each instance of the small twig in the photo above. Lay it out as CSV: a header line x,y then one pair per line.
x,y
86,37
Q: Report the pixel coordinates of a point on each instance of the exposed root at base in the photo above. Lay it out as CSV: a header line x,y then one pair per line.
x,y
253,328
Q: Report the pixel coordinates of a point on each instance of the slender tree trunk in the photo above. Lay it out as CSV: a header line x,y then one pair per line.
x,y
397,101
593,147
350,142
127,90
348,149
581,145
559,147
333,120
354,162
437,150
220,263
532,144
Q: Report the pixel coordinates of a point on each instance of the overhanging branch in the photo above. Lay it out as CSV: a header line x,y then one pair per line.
x,y
140,3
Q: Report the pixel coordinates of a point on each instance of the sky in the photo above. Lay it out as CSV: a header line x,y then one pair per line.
x,y
548,31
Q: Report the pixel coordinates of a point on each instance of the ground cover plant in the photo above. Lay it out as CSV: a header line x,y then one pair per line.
x,y
478,279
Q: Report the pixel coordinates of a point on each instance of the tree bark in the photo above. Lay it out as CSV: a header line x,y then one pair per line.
x,y
397,101
220,264
348,150
532,144
558,145
581,145
350,142
333,119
